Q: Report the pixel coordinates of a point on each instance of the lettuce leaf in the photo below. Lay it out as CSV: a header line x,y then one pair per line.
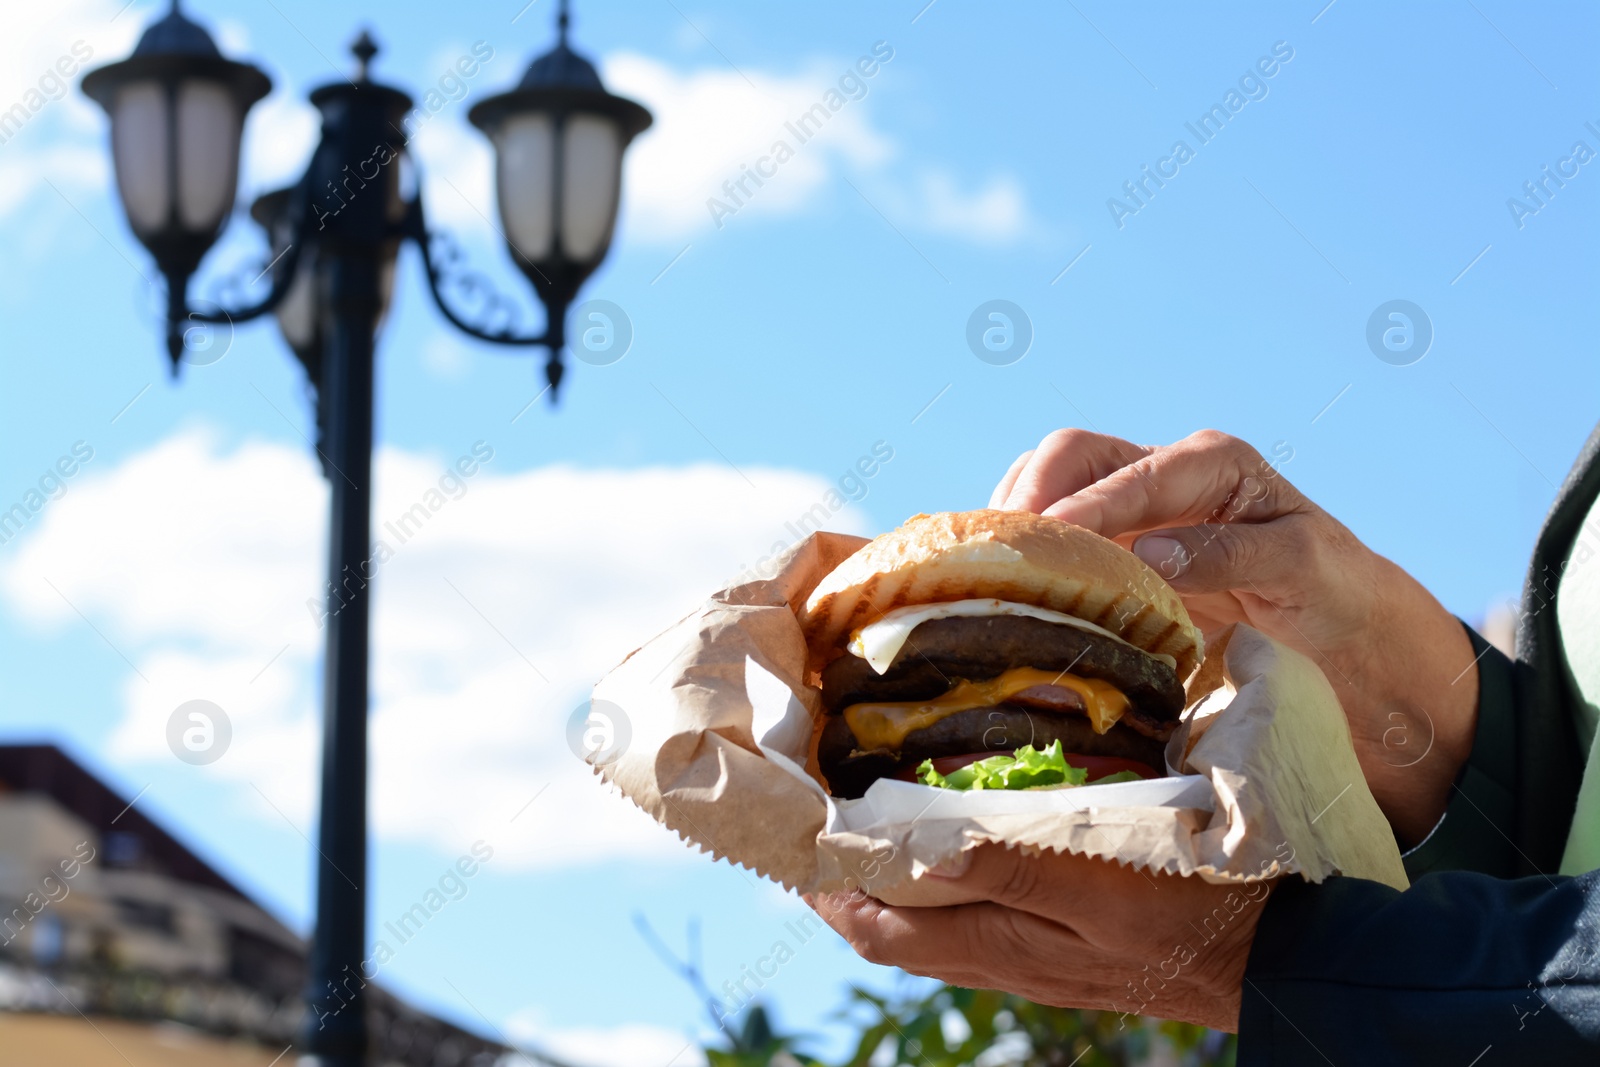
x,y
1120,776
1027,768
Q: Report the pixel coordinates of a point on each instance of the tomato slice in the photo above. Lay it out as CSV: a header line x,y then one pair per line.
x,y
1098,766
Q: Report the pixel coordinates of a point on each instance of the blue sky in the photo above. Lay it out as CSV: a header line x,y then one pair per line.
x,y
827,314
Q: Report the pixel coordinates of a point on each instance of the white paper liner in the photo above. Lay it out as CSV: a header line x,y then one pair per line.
x,y
1265,781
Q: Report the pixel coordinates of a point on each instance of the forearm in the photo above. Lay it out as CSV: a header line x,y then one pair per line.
x,y
1354,972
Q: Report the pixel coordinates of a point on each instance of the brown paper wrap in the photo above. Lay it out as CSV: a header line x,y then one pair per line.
x,y
719,720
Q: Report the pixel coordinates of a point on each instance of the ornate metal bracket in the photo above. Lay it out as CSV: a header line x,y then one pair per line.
x,y
282,268
444,263
488,316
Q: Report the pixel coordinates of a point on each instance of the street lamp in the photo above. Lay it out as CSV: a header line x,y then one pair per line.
x,y
177,110
558,139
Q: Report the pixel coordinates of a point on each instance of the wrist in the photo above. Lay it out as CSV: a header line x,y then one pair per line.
x,y
1215,991
1410,692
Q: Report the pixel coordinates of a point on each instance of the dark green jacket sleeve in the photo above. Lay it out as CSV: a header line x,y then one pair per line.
x,y
1470,959
1478,828
1354,972
1484,960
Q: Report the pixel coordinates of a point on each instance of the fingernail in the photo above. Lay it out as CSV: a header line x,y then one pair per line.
x,y
1167,556
954,867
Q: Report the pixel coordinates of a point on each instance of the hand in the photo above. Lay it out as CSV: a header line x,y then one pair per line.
x,y
1240,544
1073,932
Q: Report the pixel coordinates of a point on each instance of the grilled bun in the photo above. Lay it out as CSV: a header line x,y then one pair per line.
x,y
1005,555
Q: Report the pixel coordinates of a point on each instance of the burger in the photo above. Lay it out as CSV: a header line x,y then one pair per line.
x,y
995,649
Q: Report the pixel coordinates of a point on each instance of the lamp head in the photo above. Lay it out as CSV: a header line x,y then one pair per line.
x,y
177,109
558,139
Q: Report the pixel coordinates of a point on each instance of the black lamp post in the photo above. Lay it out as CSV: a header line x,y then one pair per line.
x,y
177,109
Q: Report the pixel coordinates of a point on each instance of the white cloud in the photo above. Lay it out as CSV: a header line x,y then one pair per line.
x,y
232,36
61,139
65,142
456,159
710,123
457,166
73,168
627,1045
496,612
279,136
994,214
713,123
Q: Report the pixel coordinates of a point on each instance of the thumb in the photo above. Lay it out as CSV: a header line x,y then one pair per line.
x,y
1218,557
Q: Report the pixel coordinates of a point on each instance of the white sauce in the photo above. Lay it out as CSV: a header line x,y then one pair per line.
x,y
879,642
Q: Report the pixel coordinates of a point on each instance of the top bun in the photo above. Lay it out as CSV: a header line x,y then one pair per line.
x,y
1005,555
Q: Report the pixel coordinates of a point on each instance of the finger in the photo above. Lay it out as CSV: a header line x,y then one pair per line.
x,y
1065,462
1219,557
973,945
1059,887
1003,490
1206,477
989,946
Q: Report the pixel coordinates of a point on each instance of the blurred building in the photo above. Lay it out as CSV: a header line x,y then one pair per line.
x,y
107,920
1499,626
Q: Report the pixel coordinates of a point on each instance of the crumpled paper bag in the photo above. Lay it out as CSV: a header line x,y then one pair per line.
x,y
1264,781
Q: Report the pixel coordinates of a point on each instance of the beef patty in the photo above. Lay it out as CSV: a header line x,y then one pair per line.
x,y
979,647
940,651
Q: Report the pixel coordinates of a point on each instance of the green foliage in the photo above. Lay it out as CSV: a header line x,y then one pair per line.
x,y
950,1027
926,1024
755,1045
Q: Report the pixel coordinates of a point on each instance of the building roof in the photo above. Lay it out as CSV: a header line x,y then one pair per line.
x,y
268,974
46,769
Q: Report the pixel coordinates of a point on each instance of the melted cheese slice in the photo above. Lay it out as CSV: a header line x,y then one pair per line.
x,y
879,642
885,725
